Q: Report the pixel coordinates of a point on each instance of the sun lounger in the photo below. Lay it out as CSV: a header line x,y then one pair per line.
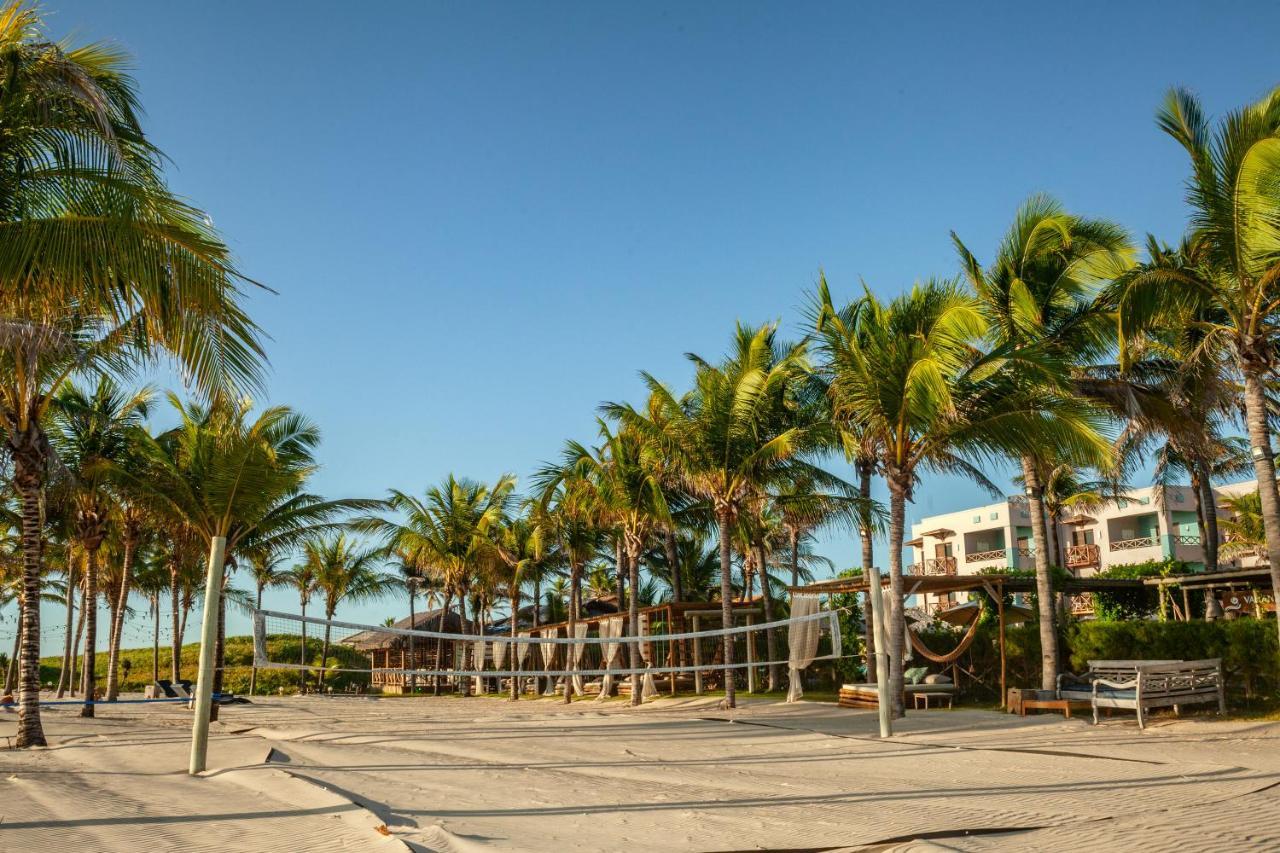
x,y
868,696
162,690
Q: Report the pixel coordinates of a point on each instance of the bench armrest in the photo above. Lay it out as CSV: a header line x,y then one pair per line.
x,y
1118,685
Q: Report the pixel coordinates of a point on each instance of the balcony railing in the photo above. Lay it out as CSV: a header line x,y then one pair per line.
x,y
1082,604
985,556
1029,553
1186,540
935,566
1083,556
1130,544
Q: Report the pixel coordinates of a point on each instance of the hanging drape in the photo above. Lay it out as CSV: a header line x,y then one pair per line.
x,y
802,641
579,631
499,654
610,630
477,663
649,689
548,655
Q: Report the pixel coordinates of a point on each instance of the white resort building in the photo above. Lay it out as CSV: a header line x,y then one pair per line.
x,y
1140,527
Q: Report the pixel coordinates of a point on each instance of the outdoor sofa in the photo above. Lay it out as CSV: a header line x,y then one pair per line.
x,y
1141,685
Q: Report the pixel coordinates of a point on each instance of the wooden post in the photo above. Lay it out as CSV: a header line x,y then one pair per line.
x,y
1004,695
751,657
697,657
1186,605
401,677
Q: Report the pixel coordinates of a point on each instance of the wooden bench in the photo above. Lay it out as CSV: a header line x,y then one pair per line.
x,y
1079,688
1156,684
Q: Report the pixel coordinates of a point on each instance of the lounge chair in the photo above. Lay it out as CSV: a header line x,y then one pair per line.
x,y
868,695
162,690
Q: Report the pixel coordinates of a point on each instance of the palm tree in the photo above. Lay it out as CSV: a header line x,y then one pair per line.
x,y
451,529
264,569
1040,293
151,580
126,270
416,580
233,483
91,433
908,373
344,572
1234,193
302,580
1246,532
521,550
721,440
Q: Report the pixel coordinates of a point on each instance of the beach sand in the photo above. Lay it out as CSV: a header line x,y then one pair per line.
x,y
450,774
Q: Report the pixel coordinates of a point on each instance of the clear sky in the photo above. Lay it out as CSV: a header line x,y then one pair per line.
x,y
482,219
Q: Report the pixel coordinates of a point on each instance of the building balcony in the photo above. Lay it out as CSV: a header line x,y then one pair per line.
x,y
935,566
985,556
1083,556
1133,544
1186,540
1081,604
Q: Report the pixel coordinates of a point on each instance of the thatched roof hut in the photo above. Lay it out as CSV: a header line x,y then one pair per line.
x,y
367,641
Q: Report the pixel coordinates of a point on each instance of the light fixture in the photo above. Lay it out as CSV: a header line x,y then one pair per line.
x,y
1260,452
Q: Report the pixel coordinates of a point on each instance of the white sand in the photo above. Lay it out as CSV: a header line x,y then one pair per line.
x,y
466,774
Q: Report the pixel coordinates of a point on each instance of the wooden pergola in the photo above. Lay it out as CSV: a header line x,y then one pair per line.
x,y
1255,579
995,585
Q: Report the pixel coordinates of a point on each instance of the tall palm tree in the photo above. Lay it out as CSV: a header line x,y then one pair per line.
x,y
344,572
521,550
451,529
1040,293
91,433
302,580
264,569
908,372
1234,194
727,435
125,269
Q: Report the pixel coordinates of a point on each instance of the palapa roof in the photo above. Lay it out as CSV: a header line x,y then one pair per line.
x,y
426,621
938,533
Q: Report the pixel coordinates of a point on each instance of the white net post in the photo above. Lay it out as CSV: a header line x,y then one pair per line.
x,y
579,631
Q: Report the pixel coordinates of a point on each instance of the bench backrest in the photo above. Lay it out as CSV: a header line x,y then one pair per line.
x,y
1184,677
1122,670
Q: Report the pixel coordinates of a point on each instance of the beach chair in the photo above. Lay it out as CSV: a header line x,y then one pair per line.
x,y
161,690
183,689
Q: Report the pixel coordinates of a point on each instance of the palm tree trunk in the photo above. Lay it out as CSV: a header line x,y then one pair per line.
x,y
723,520
1209,512
770,639
673,564
575,594
89,678
155,636
513,656
302,650
413,626
897,620
865,470
632,557
793,533
11,671
219,651
176,640
462,629
1264,467
66,642
73,680
117,624
253,670
324,653
1051,526
28,470
435,679
1044,581
620,563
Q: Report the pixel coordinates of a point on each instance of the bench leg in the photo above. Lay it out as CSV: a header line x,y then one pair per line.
x,y
1141,723
1095,714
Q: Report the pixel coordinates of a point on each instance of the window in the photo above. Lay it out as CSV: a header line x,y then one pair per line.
x,y
994,516
1177,497
1122,503
1144,501
977,519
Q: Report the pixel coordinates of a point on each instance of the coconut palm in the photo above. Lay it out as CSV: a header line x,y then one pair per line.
x,y
90,433
126,270
1244,527
451,530
1234,194
264,569
1040,292
344,572
521,550
908,373
302,580
727,436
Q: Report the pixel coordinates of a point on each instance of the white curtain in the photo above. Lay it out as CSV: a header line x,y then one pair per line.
x,y
548,654
648,689
579,631
521,654
610,630
499,654
802,640
477,663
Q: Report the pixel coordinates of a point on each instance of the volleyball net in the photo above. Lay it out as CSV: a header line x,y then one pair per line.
x,y
598,648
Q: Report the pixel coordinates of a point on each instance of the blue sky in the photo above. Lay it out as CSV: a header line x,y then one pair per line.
x,y
483,219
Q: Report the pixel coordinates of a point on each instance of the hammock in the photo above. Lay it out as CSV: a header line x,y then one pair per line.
x,y
950,657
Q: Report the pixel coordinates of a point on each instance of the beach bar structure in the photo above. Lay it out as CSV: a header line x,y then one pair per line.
x,y
390,656
945,588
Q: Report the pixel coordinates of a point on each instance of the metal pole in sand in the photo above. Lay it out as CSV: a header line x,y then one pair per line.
x,y
882,646
208,637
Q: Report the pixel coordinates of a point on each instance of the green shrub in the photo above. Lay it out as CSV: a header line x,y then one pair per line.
x,y
1142,603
